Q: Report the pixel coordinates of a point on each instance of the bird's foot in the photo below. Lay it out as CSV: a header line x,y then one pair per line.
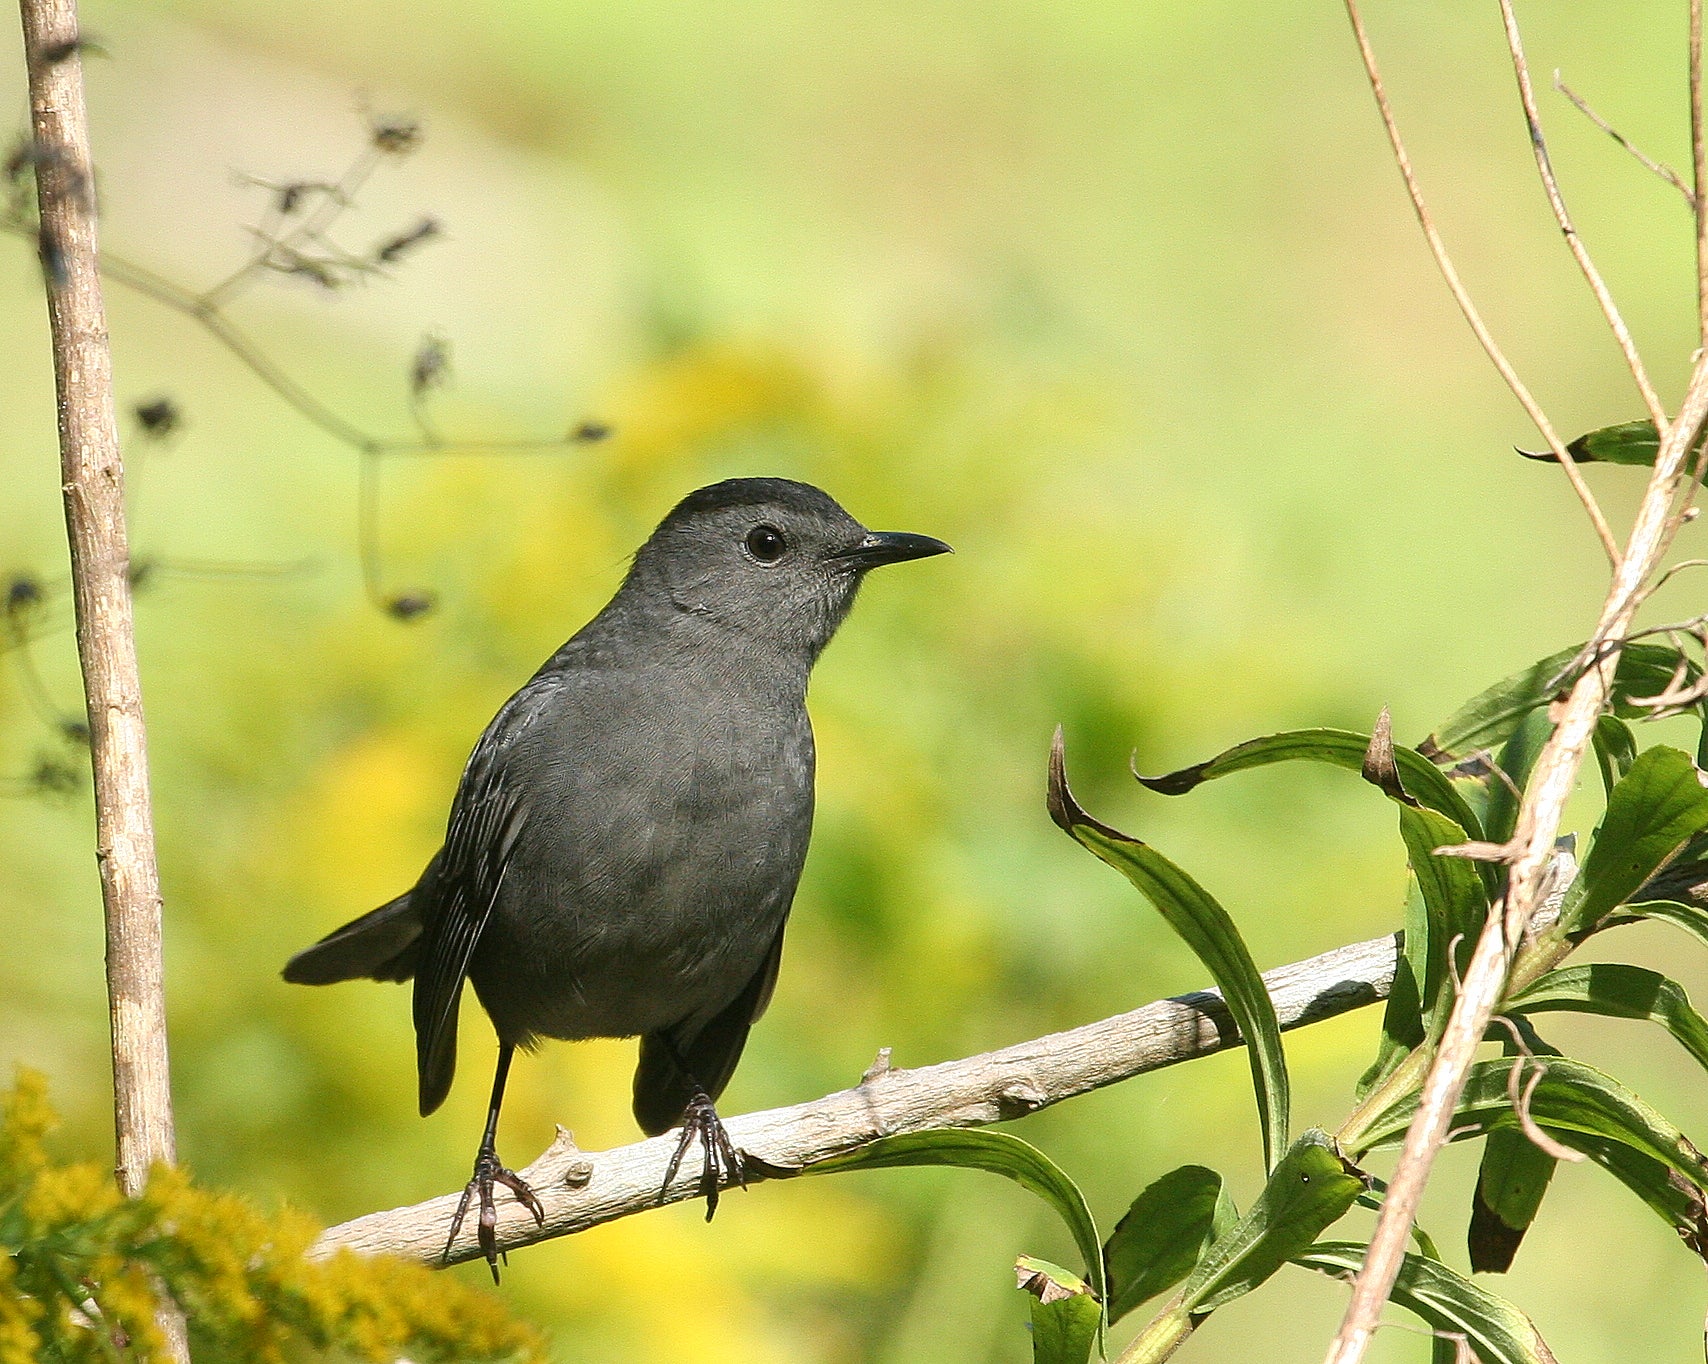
x,y
723,1161
487,1172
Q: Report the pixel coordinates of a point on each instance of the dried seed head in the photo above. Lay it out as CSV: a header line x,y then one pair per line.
x,y
395,135
431,367
408,606
393,249
22,592
158,417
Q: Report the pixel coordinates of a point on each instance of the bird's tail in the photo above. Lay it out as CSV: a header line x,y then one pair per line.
x,y
384,944
670,1072
678,1062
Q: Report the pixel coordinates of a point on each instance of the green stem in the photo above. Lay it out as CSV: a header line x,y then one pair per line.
x,y
1547,951
1165,1333
1407,1076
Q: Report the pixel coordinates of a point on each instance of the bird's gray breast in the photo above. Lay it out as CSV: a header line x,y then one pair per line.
x,y
666,822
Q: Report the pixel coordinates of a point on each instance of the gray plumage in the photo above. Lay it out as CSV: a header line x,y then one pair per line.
x,y
629,831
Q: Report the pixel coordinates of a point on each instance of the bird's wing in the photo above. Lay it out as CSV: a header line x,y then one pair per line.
x,y
662,1091
458,896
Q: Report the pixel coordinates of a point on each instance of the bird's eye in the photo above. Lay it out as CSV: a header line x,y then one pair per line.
x,y
766,544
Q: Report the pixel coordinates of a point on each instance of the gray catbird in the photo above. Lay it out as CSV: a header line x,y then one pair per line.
x,y
625,842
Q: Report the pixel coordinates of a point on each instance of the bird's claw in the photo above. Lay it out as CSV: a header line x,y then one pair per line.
x,y
487,1172
700,1119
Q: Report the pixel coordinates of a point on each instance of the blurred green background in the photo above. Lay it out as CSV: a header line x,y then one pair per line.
x,y
1122,300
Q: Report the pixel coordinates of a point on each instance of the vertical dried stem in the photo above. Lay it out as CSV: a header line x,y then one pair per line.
x,y
1462,296
93,484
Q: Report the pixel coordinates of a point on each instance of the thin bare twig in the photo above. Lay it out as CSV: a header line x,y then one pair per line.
x,y
1699,174
1648,163
1685,509
187,302
1557,202
305,250
308,209
1692,626
1462,296
1521,1097
1521,1106
92,475
1699,171
334,199
1679,694
1666,577
35,690
581,1190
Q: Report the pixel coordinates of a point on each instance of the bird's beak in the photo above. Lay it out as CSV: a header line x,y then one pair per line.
x,y
890,547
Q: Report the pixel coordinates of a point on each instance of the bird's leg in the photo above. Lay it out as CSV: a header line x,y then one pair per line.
x,y
700,1119
488,1170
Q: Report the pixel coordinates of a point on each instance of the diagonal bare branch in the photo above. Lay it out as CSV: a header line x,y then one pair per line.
x,y
581,1190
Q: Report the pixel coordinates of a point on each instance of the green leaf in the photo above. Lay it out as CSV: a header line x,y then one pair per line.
x,y
1402,1015
1630,443
1618,990
1424,781
1615,750
1673,1198
1066,1315
1517,759
1496,1331
1310,1189
1164,1235
1490,717
1652,813
1000,1154
1685,878
1570,1100
1194,914
1512,1178
1693,919
1455,906
1514,1175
